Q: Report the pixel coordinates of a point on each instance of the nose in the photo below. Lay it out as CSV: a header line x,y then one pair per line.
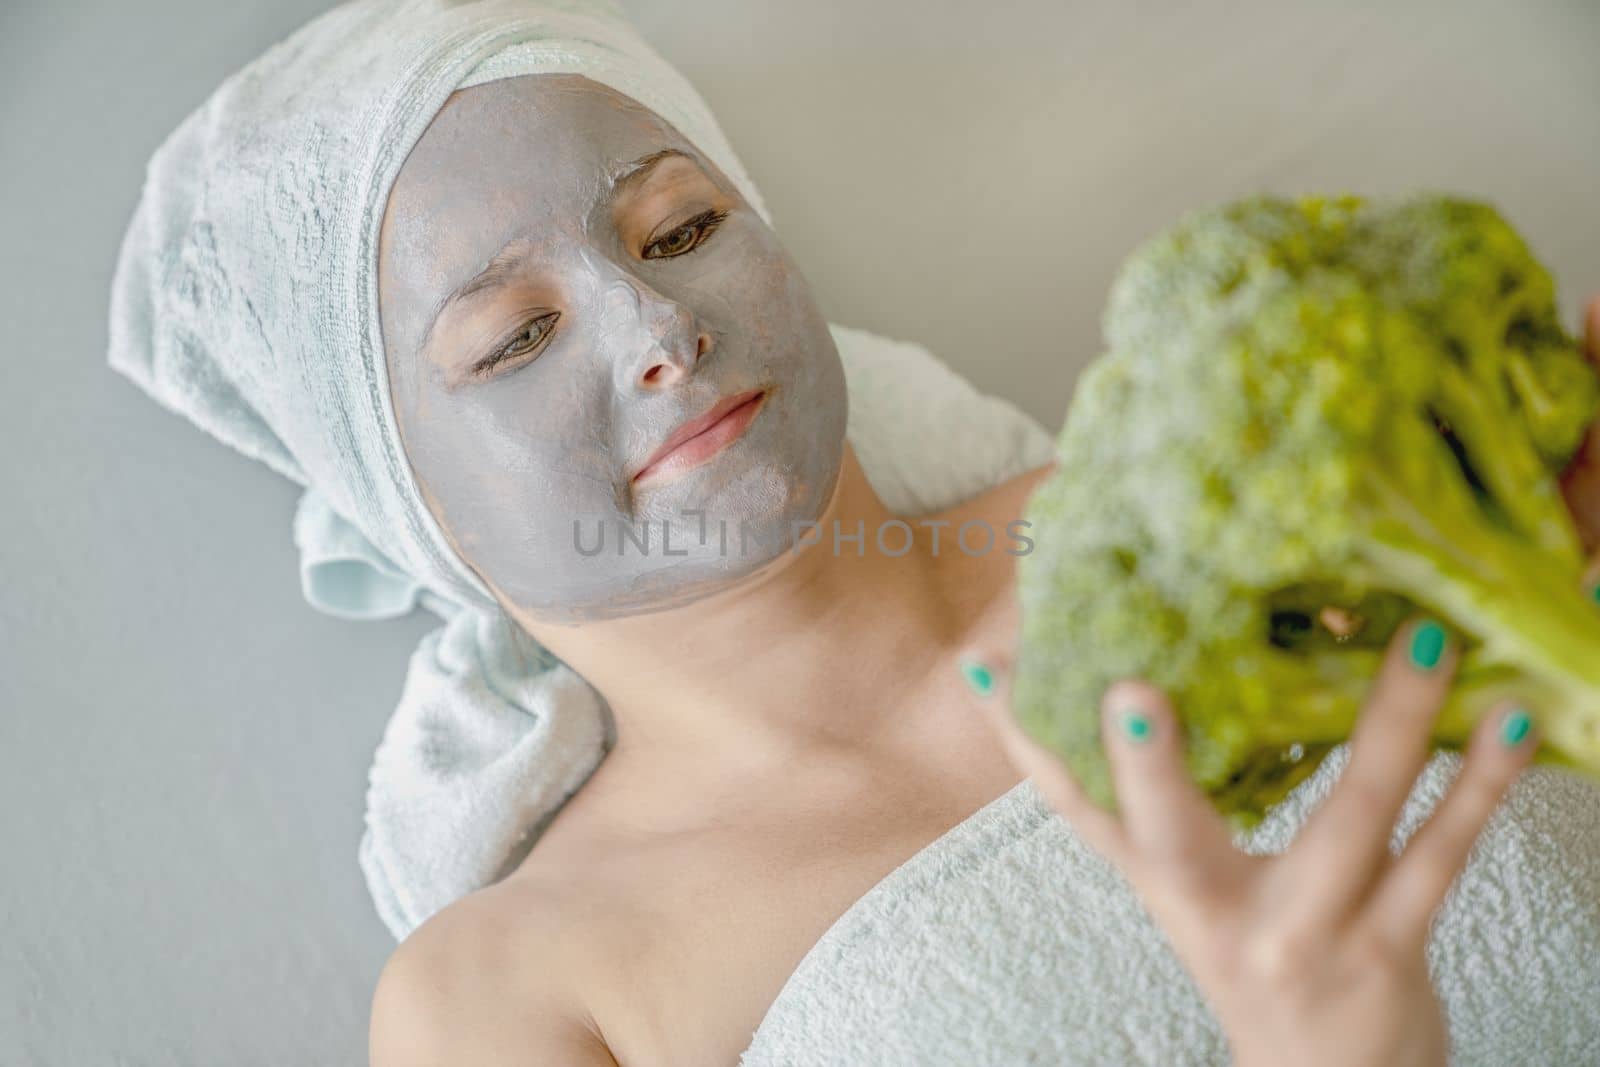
x,y
665,343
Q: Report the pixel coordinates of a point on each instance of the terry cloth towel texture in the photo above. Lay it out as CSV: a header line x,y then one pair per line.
x,y
1007,941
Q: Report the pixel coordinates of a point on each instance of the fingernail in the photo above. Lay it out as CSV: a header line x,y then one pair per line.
x,y
1136,725
1515,727
979,678
1427,645
1594,592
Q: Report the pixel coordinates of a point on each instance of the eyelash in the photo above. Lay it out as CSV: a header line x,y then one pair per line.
x,y
704,225
484,366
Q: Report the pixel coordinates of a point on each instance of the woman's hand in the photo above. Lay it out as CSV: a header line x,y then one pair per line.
x,y
1315,956
1581,483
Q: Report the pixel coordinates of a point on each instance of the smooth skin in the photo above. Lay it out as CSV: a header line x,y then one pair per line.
x,y
783,743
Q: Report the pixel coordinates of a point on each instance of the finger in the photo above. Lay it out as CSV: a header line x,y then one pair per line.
x,y
1580,487
1346,840
1417,882
989,674
1580,482
1169,821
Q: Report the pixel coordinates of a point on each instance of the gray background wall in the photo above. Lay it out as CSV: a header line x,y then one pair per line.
x,y
183,742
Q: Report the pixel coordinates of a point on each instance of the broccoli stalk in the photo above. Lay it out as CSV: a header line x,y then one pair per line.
x,y
1315,418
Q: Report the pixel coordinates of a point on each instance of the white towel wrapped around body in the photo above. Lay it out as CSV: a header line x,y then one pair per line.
x,y
1009,942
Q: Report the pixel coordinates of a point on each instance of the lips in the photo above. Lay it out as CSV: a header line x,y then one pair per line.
x,y
697,440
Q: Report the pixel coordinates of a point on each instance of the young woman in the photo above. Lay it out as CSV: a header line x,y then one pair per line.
x,y
584,321
788,737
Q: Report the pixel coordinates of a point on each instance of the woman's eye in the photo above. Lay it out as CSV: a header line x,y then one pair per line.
x,y
527,339
685,238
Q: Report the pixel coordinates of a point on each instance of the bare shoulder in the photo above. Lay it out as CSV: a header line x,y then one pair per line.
x,y
1001,503
982,583
495,978
998,507
1016,492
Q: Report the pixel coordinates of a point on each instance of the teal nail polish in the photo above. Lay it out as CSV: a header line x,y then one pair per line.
x,y
1515,727
1427,645
979,677
1594,592
1136,725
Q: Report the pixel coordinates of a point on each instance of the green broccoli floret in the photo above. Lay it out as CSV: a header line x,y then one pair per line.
x,y
1314,419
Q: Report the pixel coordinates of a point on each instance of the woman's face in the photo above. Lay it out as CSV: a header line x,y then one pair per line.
x,y
564,281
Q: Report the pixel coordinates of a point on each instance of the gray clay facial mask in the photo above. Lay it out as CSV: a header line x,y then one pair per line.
x,y
564,281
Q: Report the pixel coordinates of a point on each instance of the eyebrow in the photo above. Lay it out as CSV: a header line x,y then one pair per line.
x,y
621,178
630,174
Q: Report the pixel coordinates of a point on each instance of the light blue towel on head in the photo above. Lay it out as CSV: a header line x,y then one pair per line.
x,y
245,299
342,574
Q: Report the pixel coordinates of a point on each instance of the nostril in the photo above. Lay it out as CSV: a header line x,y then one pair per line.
x,y
650,374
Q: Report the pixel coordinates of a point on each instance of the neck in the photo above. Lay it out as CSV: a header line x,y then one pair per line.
x,y
814,656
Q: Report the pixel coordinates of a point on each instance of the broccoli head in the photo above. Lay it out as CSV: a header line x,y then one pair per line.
x,y
1314,419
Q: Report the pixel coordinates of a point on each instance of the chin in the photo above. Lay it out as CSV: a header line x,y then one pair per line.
x,y
769,494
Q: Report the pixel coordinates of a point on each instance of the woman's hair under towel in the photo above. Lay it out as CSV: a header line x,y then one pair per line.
x,y
245,299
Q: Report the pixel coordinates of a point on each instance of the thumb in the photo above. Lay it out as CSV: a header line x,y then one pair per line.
x,y
989,673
